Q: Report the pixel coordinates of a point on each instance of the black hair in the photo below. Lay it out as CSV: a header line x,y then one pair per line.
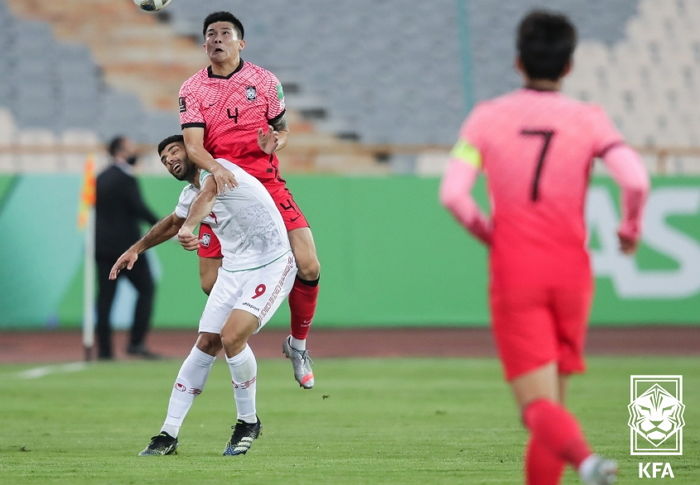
x,y
223,17
167,141
115,145
546,42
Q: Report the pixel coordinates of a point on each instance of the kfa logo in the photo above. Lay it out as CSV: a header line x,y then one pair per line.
x,y
655,470
205,241
251,93
656,415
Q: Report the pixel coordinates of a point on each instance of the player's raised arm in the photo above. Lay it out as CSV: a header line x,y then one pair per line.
x,y
161,231
627,169
194,144
455,191
200,208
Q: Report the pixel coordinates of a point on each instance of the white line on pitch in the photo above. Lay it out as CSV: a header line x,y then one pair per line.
x,y
38,372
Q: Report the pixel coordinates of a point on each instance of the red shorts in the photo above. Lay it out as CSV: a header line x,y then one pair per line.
x,y
533,327
209,246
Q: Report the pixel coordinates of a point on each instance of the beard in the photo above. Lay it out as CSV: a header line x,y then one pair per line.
x,y
188,174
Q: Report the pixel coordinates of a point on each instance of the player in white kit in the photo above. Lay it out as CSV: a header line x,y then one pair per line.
x,y
256,275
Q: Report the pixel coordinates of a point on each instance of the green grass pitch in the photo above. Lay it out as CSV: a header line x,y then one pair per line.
x,y
368,421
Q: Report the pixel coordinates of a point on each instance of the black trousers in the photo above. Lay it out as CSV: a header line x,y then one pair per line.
x,y
140,276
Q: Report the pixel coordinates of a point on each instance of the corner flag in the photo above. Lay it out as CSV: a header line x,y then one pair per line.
x,y
87,194
86,222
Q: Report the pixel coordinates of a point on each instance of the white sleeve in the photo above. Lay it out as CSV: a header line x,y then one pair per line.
x,y
183,204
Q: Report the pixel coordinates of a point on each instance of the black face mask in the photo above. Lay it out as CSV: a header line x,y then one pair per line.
x,y
132,160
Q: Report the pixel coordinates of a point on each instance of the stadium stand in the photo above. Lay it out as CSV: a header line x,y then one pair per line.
x,y
112,69
388,73
385,74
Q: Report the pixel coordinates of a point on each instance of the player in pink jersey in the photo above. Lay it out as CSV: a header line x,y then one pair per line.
x,y
536,148
235,110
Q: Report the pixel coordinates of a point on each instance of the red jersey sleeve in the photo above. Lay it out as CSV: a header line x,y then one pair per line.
x,y
275,97
190,107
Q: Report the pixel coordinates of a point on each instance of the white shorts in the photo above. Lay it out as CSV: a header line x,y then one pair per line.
x,y
259,291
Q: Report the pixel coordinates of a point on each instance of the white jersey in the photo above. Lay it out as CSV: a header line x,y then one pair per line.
x,y
245,219
185,201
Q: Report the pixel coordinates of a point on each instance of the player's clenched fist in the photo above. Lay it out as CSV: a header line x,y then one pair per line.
x,y
187,239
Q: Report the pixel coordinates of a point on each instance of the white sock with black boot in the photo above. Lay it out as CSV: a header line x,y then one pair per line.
x,y
244,371
189,384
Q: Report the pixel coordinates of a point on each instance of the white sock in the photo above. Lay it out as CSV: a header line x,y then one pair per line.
x,y
244,371
297,344
189,383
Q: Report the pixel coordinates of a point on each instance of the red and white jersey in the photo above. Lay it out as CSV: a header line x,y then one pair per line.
x,y
536,149
231,109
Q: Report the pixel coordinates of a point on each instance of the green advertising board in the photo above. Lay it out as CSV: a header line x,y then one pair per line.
x,y
390,255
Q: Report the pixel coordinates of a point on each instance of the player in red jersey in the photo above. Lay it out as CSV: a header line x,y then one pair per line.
x,y
235,110
536,148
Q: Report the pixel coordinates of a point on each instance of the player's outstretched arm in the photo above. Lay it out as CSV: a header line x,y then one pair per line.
x,y
161,231
194,144
200,208
627,169
455,195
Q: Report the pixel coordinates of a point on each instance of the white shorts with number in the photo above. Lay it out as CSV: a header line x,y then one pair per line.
x,y
260,292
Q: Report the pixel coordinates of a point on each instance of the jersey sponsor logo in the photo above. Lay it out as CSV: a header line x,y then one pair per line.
x,y
205,241
183,104
251,93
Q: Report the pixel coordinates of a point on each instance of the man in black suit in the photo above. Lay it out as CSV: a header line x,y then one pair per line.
x,y
118,211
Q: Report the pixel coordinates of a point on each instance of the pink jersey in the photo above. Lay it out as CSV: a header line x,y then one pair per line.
x,y
536,149
231,109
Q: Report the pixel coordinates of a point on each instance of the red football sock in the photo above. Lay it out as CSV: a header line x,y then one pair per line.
x,y
557,430
542,467
302,306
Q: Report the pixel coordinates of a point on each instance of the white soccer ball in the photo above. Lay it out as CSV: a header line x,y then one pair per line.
x,y
151,5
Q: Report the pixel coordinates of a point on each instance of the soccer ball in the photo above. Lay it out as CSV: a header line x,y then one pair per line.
x,y
152,5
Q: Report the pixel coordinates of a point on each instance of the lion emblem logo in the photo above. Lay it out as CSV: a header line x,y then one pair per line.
x,y
656,415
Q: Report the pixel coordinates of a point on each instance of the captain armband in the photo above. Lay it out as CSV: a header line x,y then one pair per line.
x,y
467,153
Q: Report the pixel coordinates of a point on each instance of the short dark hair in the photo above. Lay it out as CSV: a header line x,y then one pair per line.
x,y
546,42
223,17
115,145
167,141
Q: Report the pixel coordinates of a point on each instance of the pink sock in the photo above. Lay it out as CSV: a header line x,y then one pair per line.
x,y
557,430
542,467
